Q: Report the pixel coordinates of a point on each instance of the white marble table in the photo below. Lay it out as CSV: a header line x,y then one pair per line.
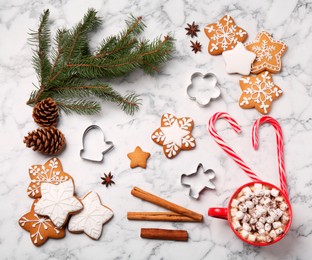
x,y
289,21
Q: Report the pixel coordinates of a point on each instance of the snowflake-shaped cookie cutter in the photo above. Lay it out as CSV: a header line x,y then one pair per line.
x,y
210,91
109,143
197,188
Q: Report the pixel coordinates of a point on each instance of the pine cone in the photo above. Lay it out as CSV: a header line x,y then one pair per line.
x,y
45,113
47,140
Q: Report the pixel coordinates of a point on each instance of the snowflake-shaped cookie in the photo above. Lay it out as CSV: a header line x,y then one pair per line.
x,y
259,92
40,228
50,172
224,35
268,53
57,202
174,135
92,218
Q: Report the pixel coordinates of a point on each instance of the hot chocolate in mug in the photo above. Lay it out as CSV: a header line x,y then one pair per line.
x,y
259,213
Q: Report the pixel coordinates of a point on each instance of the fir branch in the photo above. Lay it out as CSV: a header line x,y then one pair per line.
x,y
80,106
41,40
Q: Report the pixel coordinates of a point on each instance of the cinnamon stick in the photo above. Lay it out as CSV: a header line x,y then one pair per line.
x,y
159,216
137,192
164,234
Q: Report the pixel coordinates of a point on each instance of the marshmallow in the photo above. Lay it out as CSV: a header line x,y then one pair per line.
x,y
261,238
272,234
262,220
283,206
233,212
255,200
268,239
249,204
235,203
252,238
258,186
259,193
246,218
246,227
269,219
279,198
239,215
274,192
279,213
253,221
267,227
285,219
244,233
259,225
267,193
236,225
261,232
279,231
242,199
242,207
246,190
277,224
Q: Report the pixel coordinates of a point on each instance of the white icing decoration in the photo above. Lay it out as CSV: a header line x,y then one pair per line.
x,y
40,174
38,222
91,219
225,35
174,133
57,202
238,60
260,91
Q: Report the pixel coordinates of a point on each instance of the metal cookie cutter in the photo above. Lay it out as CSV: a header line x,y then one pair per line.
x,y
196,187
109,143
206,92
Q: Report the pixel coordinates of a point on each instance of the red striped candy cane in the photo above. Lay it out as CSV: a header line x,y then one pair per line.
x,y
280,146
224,145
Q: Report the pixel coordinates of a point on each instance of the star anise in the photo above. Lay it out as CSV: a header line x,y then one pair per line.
x,y
196,46
192,29
108,179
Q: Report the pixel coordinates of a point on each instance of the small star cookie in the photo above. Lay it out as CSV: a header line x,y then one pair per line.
x,y
174,135
269,53
50,172
40,227
57,202
224,35
92,218
238,60
259,92
138,158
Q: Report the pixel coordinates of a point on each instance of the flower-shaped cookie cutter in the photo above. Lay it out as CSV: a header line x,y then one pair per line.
x,y
197,187
209,91
109,143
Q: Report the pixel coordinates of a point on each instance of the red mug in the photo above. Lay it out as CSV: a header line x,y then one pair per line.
x,y
225,213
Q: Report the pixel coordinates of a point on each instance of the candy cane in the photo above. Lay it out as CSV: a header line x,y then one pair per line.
x,y
223,144
280,146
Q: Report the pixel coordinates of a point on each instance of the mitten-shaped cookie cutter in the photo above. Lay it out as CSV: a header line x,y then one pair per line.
x,y
109,143
211,90
197,188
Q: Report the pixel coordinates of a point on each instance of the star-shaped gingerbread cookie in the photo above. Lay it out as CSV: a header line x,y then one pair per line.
x,y
224,35
138,158
259,92
268,52
238,60
58,202
40,227
50,172
174,135
92,218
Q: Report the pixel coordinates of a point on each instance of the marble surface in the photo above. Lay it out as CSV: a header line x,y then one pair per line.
x,y
290,21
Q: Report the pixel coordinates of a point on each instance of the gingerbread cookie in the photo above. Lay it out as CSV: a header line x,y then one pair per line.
x,y
238,60
259,92
40,227
269,53
174,135
92,218
50,172
138,158
58,202
224,35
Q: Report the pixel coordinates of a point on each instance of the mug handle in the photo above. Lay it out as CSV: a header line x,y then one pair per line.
x,y
218,213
